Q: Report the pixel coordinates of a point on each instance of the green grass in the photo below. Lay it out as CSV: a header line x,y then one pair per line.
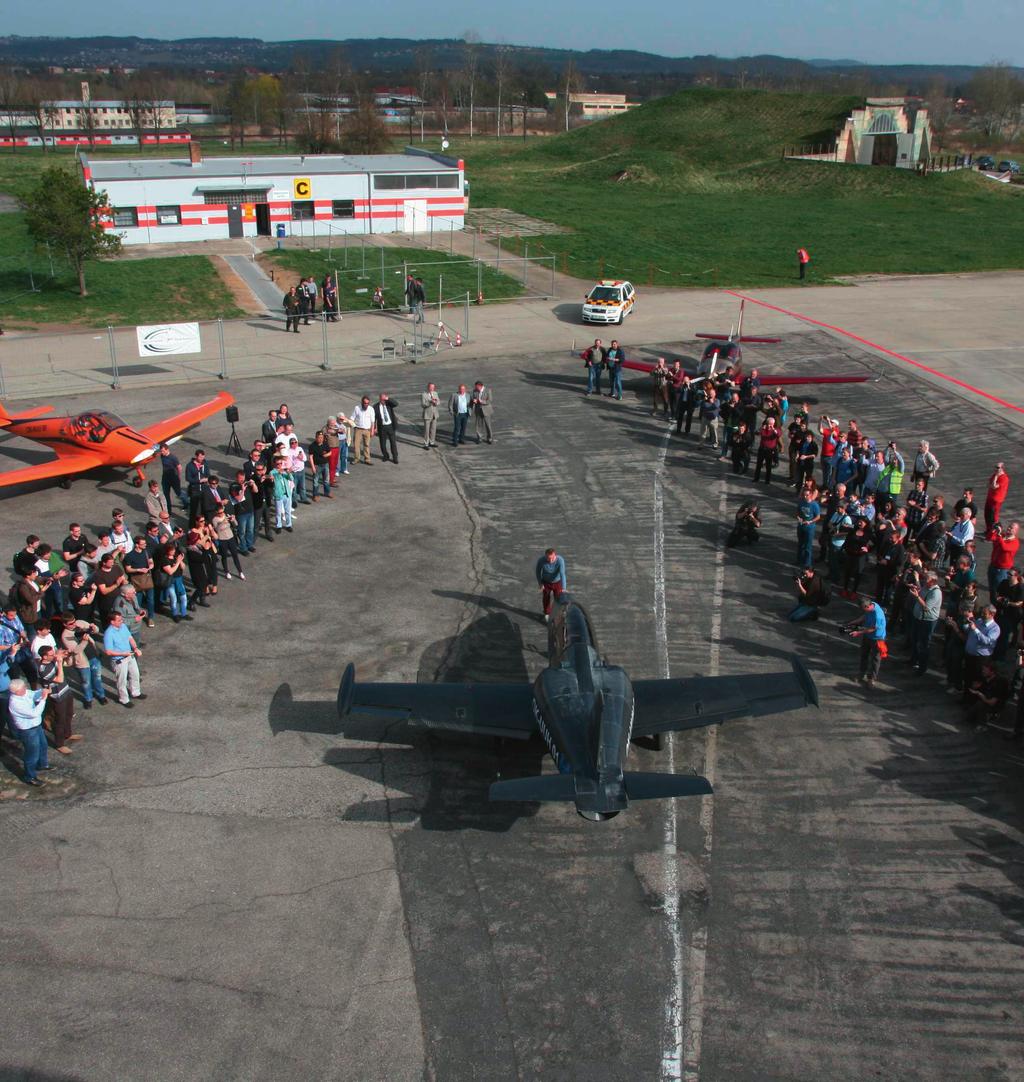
x,y
121,291
709,200
459,275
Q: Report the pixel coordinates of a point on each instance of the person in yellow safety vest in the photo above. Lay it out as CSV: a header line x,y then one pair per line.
x,y
890,481
802,258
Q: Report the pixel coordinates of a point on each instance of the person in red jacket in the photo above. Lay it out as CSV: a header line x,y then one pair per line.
x,y
995,494
802,258
1005,544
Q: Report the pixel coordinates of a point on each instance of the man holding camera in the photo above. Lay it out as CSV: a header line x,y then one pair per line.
x,y
811,595
870,629
1005,545
924,615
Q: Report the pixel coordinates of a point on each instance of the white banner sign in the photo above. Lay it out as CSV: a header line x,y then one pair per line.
x,y
168,338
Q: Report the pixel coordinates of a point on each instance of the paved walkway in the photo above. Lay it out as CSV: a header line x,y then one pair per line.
x,y
965,328
253,275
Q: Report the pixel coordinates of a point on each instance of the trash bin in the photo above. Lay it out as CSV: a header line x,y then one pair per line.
x,y
280,235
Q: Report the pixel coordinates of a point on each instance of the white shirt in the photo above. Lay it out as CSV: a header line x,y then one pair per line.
x,y
363,418
283,441
385,414
963,531
27,710
298,457
462,403
122,540
42,640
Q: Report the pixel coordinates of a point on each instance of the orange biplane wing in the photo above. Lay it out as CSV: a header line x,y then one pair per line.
x,y
68,463
182,422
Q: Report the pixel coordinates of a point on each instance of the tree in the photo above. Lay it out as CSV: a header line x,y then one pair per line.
x,y
42,111
364,130
501,78
235,103
62,212
424,73
470,69
998,95
572,83
11,99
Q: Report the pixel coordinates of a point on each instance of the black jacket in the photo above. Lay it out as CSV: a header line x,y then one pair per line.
x,y
392,409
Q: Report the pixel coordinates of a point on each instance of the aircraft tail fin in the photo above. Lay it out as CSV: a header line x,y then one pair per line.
x,y
642,785
37,411
549,787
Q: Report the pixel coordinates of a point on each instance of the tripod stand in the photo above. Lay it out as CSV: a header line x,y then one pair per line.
x,y
234,446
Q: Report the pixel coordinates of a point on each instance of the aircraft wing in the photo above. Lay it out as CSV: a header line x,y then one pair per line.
x,y
766,381
476,709
664,706
182,422
66,464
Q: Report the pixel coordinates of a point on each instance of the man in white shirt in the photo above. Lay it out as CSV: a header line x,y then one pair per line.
x,y
120,535
458,407
26,714
962,532
364,421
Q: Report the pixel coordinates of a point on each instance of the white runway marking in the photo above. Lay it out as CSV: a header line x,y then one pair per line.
x,y
684,1006
698,951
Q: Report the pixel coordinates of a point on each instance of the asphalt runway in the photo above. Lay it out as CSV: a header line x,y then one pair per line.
x,y
220,885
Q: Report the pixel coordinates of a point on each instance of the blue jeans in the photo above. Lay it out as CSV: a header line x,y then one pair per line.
x,y
299,489
170,482
594,379
148,599
246,531
322,476
343,457
176,596
92,681
459,423
803,612
616,377
34,757
805,545
920,637
995,577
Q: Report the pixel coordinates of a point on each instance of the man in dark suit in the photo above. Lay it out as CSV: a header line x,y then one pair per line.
x,y
268,433
197,475
384,410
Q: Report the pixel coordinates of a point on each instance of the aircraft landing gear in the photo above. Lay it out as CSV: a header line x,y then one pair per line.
x,y
64,482
139,477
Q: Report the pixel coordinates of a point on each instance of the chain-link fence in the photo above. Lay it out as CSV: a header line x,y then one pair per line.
x,y
82,361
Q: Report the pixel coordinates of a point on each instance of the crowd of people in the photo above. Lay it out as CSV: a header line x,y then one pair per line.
x,y
871,527
84,605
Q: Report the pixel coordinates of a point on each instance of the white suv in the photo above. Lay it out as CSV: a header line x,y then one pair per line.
x,y
609,302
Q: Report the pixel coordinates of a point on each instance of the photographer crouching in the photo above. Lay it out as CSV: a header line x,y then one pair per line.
x,y
747,524
812,592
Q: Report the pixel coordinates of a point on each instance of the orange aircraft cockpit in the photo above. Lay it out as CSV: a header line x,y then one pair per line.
x,y
92,427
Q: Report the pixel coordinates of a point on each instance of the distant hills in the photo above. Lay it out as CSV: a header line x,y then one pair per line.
x,y
400,55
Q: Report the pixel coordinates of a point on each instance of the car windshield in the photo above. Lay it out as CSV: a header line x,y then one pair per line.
x,y
605,293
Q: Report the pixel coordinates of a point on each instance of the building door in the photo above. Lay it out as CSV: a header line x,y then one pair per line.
x,y
234,219
262,219
884,150
416,220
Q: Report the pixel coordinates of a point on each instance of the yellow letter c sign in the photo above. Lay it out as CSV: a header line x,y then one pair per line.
x,y
301,187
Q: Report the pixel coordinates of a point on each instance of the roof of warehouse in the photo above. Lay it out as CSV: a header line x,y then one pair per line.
x,y
293,165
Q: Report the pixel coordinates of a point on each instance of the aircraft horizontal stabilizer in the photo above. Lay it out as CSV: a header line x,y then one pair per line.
x,y
642,785
545,788
759,338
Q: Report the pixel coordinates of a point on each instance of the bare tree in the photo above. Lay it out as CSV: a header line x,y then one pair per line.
x,y
572,83
502,71
12,94
998,95
40,107
470,70
424,77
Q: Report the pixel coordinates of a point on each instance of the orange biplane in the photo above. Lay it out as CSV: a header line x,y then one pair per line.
x,y
96,438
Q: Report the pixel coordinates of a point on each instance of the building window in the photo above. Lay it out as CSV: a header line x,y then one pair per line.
x,y
168,215
389,182
302,210
241,196
343,208
125,217
448,180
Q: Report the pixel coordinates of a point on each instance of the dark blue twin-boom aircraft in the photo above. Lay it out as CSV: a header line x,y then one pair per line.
x,y
587,711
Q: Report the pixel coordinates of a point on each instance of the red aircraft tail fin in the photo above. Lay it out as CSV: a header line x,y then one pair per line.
x,y
6,418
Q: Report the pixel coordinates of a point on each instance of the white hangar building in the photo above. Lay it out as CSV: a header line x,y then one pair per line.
x,y
156,200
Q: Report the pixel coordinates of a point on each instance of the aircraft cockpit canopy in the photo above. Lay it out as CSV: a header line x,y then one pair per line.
x,y
94,426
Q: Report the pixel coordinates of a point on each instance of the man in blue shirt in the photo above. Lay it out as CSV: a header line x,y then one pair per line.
x,y
871,632
550,579
807,515
122,650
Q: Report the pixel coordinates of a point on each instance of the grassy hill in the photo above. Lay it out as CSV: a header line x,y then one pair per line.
x,y
706,197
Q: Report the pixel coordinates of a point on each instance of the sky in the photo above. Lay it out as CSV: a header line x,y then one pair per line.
x,y
874,31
